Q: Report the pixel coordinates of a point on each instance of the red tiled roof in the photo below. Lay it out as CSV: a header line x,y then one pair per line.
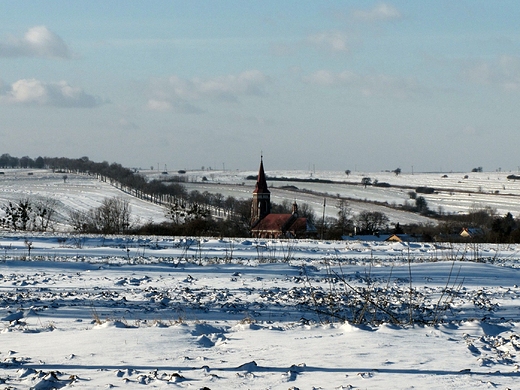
x,y
299,225
277,222
272,222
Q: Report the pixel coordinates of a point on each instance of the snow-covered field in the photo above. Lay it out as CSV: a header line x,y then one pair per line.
x,y
77,192
149,312
146,312
454,192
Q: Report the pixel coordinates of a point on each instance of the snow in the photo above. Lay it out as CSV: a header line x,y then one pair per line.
x,y
454,193
78,192
140,312
234,313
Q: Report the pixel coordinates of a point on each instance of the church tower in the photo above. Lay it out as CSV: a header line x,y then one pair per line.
x,y
261,197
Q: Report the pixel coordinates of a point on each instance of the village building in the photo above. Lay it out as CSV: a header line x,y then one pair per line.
x,y
471,232
267,225
382,237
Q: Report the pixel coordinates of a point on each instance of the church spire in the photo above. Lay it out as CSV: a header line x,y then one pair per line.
x,y
261,181
261,196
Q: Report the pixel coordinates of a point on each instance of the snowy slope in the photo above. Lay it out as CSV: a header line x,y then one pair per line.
x,y
453,194
78,192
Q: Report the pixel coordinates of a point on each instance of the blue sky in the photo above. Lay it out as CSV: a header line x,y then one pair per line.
x,y
331,85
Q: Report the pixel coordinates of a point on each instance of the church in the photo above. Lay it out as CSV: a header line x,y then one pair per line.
x,y
267,225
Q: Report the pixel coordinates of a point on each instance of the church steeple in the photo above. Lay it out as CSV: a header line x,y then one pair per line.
x,y
261,182
261,196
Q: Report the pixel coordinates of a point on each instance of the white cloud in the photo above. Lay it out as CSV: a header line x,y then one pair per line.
x,y
229,87
327,78
335,41
37,42
503,73
380,12
36,92
159,105
379,85
176,92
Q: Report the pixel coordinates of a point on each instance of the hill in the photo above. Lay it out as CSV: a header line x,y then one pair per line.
x,y
453,193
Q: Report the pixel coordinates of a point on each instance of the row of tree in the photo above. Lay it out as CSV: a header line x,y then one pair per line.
x,y
114,216
7,161
193,213
196,213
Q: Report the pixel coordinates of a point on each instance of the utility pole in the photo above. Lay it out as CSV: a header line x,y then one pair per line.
x,y
323,217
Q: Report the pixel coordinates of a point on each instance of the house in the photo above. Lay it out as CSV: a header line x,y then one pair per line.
x,y
382,237
267,225
471,232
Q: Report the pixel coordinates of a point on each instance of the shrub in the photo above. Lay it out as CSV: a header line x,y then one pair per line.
x,y
425,190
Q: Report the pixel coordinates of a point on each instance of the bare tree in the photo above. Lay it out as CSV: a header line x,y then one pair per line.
x,y
366,181
421,205
344,216
371,221
44,210
176,211
17,216
111,217
305,210
196,211
81,222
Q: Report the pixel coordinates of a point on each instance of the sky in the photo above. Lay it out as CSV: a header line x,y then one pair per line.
x,y
310,85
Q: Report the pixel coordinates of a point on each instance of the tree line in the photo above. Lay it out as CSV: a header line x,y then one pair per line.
x,y
189,213
210,214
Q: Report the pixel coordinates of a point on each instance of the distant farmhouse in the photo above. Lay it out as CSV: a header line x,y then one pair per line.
x,y
382,237
471,232
267,225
